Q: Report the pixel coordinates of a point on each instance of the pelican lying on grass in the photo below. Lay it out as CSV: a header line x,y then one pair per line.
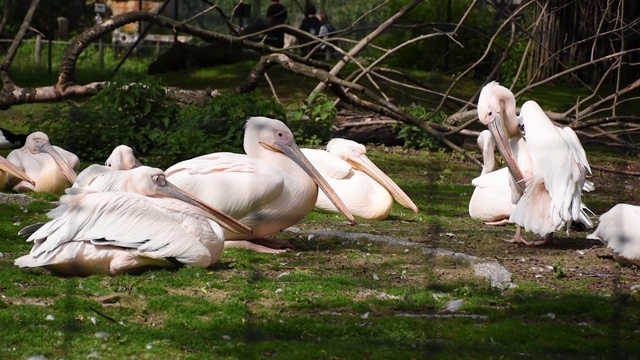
x,y
52,168
366,190
547,163
144,222
269,189
619,231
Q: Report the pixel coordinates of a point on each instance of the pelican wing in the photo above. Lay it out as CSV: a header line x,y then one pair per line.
x,y
558,164
494,179
124,220
577,150
221,180
619,231
86,177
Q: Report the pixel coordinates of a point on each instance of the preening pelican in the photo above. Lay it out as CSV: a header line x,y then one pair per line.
x,y
152,224
121,158
548,164
491,198
269,189
366,190
618,230
52,168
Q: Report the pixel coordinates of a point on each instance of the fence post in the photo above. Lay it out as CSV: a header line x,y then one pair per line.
x,y
38,52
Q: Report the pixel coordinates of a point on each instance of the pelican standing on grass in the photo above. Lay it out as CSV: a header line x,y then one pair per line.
x,y
547,163
269,189
491,198
366,190
144,222
619,231
52,168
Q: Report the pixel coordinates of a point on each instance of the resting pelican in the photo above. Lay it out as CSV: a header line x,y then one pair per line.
x,y
548,164
121,158
366,190
269,189
491,198
618,230
152,224
52,168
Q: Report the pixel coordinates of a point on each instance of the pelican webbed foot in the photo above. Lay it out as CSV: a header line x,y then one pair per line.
x,y
269,246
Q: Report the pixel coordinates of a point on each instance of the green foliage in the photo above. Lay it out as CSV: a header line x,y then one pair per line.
x,y
439,53
27,72
132,113
415,137
509,68
311,123
138,114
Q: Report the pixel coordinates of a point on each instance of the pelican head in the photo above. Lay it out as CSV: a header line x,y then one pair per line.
x,y
355,154
38,142
275,136
122,158
497,110
152,182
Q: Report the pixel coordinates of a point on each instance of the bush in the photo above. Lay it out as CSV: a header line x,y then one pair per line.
x,y
311,124
415,137
160,132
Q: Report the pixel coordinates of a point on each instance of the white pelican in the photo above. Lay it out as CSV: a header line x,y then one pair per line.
x,y
52,168
491,198
366,190
7,169
118,232
618,230
269,189
547,163
121,158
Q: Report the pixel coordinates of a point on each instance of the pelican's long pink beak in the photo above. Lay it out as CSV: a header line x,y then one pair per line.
x,y
286,144
363,163
7,166
67,171
497,129
226,221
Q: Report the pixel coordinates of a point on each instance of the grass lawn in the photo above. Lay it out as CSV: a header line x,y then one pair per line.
x,y
339,296
379,294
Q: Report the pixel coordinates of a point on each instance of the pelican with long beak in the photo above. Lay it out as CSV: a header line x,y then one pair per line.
x,y
52,168
366,190
548,165
142,221
269,189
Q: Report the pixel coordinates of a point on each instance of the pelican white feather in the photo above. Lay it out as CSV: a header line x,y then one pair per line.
x,y
269,189
548,164
618,230
52,168
366,190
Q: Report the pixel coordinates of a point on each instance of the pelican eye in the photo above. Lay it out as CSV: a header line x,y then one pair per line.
x,y
490,113
280,134
160,180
